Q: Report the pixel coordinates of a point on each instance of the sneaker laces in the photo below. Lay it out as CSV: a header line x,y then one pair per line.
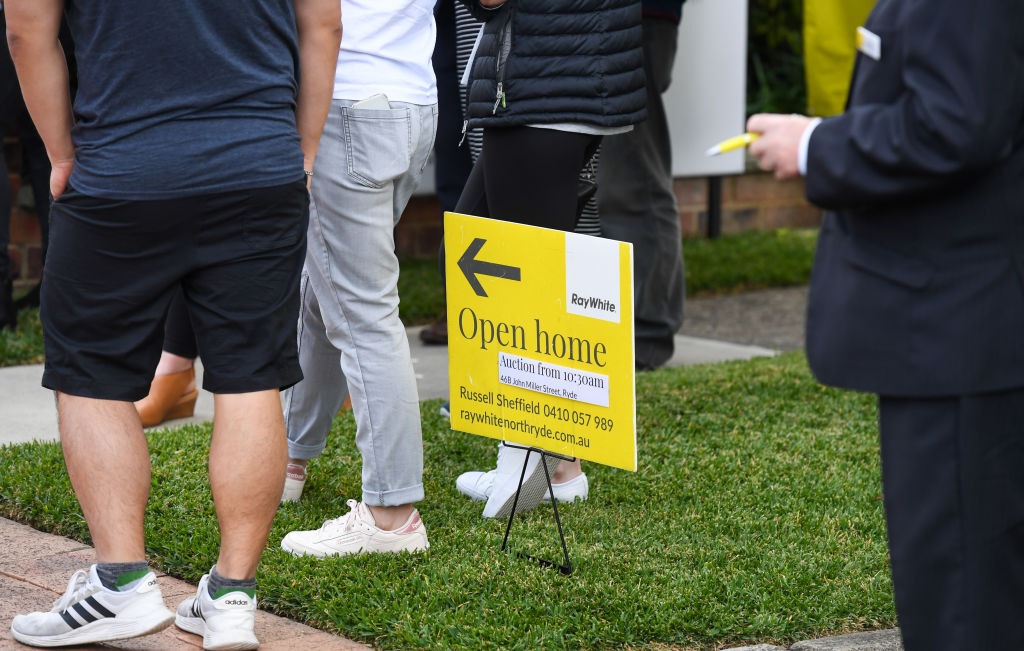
x,y
358,512
77,588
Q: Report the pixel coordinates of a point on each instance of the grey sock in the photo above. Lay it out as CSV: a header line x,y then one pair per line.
x,y
218,586
121,576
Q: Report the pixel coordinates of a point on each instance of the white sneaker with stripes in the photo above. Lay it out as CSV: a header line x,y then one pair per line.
x,y
89,613
225,623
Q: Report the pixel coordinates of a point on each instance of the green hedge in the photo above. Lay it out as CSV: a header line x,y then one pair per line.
x,y
775,64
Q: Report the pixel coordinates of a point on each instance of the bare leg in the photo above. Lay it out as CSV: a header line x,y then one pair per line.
x,y
567,470
390,518
387,518
171,363
247,468
108,461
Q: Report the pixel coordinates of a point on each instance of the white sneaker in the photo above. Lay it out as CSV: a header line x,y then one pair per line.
x,y
294,482
90,613
478,485
506,481
227,622
356,532
577,488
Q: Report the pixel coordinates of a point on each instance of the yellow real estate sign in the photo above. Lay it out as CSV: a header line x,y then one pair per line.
x,y
540,338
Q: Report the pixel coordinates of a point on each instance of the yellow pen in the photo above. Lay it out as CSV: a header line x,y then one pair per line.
x,y
732,143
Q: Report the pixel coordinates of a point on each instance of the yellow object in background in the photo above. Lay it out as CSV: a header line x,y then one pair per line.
x,y
830,45
732,144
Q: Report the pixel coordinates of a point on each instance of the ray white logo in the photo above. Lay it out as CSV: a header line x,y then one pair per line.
x,y
592,302
592,277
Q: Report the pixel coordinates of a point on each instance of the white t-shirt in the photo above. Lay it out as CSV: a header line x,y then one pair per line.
x,y
386,47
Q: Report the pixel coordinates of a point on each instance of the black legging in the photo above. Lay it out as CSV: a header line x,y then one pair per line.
x,y
529,176
179,338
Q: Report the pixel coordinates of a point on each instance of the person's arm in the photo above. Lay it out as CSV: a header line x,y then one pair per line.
x,y
482,9
32,28
319,28
961,70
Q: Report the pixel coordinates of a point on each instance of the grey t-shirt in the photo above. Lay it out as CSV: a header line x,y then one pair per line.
x,y
184,98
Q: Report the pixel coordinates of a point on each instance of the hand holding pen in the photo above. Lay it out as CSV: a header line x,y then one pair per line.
x,y
774,140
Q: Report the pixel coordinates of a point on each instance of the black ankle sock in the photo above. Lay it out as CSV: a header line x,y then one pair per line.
x,y
118,576
218,585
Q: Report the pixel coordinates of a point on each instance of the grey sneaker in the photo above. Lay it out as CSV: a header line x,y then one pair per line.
x,y
227,622
88,613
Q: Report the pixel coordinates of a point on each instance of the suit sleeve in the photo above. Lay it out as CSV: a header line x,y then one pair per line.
x,y
958,111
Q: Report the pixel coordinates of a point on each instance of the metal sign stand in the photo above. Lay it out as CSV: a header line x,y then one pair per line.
x,y
565,568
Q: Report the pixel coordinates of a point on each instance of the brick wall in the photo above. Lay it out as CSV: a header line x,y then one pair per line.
x,y
24,248
753,201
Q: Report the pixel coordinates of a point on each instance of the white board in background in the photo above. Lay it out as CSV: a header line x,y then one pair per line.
x,y
706,102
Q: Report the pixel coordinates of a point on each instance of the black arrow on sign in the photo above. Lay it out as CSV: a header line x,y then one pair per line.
x,y
471,267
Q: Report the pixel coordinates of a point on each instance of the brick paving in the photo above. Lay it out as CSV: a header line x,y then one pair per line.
x,y
35,568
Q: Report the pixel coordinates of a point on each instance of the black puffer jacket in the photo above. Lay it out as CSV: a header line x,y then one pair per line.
x,y
558,61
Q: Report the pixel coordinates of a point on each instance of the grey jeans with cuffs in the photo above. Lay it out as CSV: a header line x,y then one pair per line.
x,y
351,341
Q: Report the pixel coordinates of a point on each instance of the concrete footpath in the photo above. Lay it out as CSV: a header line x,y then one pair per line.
x,y
35,567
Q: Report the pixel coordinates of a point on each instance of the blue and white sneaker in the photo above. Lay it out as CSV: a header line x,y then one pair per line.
x,y
89,613
227,622
446,410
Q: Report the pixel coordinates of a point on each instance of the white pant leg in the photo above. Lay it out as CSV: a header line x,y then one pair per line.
x,y
367,167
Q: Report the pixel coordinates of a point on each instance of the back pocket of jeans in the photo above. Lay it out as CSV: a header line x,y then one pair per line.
x,y
378,143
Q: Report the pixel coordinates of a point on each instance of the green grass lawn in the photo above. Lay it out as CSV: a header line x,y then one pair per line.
x,y
755,517
750,260
25,344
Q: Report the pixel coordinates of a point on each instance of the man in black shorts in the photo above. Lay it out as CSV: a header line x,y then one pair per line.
x,y
180,167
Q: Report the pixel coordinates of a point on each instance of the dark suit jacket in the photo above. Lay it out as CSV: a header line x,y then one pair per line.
x,y
918,280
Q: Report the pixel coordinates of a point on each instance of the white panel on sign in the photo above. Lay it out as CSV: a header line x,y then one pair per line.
x,y
592,277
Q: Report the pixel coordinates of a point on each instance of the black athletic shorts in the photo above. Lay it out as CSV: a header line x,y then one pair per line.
x,y
113,266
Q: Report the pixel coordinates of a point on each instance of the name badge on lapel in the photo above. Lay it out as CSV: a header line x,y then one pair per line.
x,y
869,43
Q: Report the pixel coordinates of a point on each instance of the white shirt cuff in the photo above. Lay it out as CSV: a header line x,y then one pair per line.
x,y
805,142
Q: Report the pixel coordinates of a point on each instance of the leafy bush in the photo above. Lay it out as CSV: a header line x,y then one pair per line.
x,y
775,64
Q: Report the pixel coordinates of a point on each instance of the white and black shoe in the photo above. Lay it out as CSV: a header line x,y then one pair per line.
x,y
227,622
89,613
